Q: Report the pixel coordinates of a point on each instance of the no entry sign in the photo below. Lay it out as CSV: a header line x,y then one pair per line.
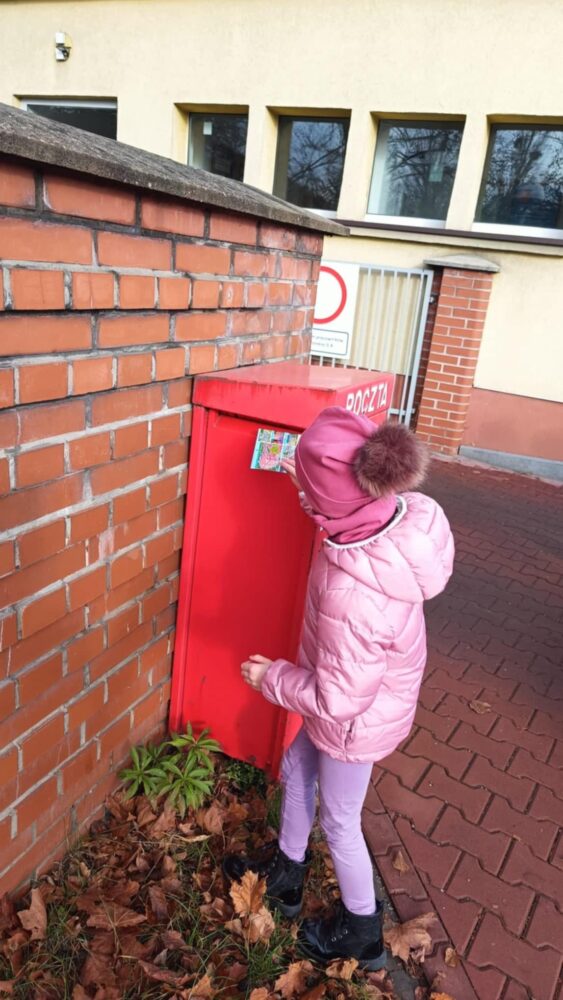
x,y
335,311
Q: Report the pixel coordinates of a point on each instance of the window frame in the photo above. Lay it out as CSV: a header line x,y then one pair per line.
x,y
409,121
95,104
506,228
200,113
316,116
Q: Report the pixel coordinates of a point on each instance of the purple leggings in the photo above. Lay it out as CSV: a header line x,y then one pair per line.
x,y
342,790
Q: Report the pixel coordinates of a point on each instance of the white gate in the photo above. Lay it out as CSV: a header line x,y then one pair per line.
x,y
386,327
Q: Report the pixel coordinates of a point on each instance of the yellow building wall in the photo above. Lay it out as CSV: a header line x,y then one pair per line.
x,y
481,60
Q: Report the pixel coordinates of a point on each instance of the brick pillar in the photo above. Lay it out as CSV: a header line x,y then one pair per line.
x,y
460,316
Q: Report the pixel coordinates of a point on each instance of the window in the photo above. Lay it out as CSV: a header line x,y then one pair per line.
x,y
217,142
523,178
310,161
99,117
414,169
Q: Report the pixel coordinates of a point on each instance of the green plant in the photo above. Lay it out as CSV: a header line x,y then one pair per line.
x,y
180,768
245,776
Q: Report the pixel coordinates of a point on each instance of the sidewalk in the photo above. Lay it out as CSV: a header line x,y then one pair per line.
x,y
474,797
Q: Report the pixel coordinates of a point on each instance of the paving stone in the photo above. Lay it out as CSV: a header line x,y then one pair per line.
x,y
539,835
518,791
511,902
454,761
471,801
547,806
467,738
408,769
494,946
546,926
490,848
526,766
524,868
438,724
488,983
458,918
459,708
538,745
422,812
379,832
435,860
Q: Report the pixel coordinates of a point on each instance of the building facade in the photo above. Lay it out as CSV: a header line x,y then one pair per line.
x,y
433,131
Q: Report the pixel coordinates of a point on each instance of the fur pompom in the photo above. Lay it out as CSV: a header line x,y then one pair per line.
x,y
392,460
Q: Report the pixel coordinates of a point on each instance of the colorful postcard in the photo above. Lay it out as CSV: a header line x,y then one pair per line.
x,y
272,448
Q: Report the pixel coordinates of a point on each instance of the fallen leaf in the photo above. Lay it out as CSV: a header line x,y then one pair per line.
x,y
261,926
6,986
399,863
342,968
79,993
114,915
35,919
165,822
411,936
97,972
262,993
203,989
481,708
212,819
248,894
237,972
294,980
159,903
451,958
164,975
174,940
315,993
441,996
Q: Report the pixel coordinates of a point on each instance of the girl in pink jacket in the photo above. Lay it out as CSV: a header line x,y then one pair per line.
x,y
360,664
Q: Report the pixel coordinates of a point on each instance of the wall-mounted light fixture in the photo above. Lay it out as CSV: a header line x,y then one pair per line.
x,y
63,45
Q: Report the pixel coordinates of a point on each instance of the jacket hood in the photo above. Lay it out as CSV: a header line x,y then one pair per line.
x,y
410,560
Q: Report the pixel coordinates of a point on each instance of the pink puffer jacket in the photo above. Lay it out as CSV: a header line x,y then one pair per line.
x,y
363,648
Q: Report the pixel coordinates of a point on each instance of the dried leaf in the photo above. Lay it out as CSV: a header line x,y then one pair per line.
x,y
164,975
35,919
261,926
159,903
399,863
203,989
451,958
79,993
97,972
113,915
6,986
248,894
342,968
262,993
481,708
410,936
316,993
165,822
237,972
294,981
174,940
212,819
441,996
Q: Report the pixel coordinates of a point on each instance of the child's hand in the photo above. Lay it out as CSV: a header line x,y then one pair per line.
x,y
254,670
289,465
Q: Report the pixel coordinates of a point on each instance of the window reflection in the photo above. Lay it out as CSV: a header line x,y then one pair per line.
x,y
310,161
523,178
218,143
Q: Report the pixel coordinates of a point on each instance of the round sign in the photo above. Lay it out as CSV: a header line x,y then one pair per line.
x,y
334,295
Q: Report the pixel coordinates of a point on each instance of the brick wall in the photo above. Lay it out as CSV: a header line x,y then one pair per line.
x,y
110,298
452,357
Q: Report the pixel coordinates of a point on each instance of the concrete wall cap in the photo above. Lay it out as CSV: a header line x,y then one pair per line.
x,y
463,262
30,137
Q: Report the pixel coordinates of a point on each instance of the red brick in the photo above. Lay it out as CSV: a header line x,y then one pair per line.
x,y
42,382
422,812
17,186
277,237
91,375
93,290
436,861
171,513
200,326
251,264
42,739
493,946
122,624
89,451
91,200
512,903
227,356
37,802
309,243
134,251
37,289
120,405
86,588
127,566
202,359
137,291
165,429
43,612
89,523
37,545
539,835
490,848
112,477
22,335
159,548
7,391
173,293
163,490
80,651
232,294
250,323
42,574
205,294
171,216
170,363
7,558
279,293
38,241
5,486
179,393
523,866
230,228
202,259
41,644
40,465
471,801
135,530
134,369
131,440
117,654
129,505
125,331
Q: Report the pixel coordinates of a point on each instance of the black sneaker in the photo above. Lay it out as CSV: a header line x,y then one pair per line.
x,y
284,877
345,935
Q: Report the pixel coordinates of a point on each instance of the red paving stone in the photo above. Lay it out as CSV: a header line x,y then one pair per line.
x,y
475,801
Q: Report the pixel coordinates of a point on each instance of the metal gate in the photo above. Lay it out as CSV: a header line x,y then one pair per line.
x,y
388,328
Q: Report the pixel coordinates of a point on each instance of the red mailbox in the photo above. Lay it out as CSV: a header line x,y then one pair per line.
x,y
248,547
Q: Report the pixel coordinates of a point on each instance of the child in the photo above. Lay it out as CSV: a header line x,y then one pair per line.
x,y
360,664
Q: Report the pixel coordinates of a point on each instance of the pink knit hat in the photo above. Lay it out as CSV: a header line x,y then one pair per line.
x,y
324,461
